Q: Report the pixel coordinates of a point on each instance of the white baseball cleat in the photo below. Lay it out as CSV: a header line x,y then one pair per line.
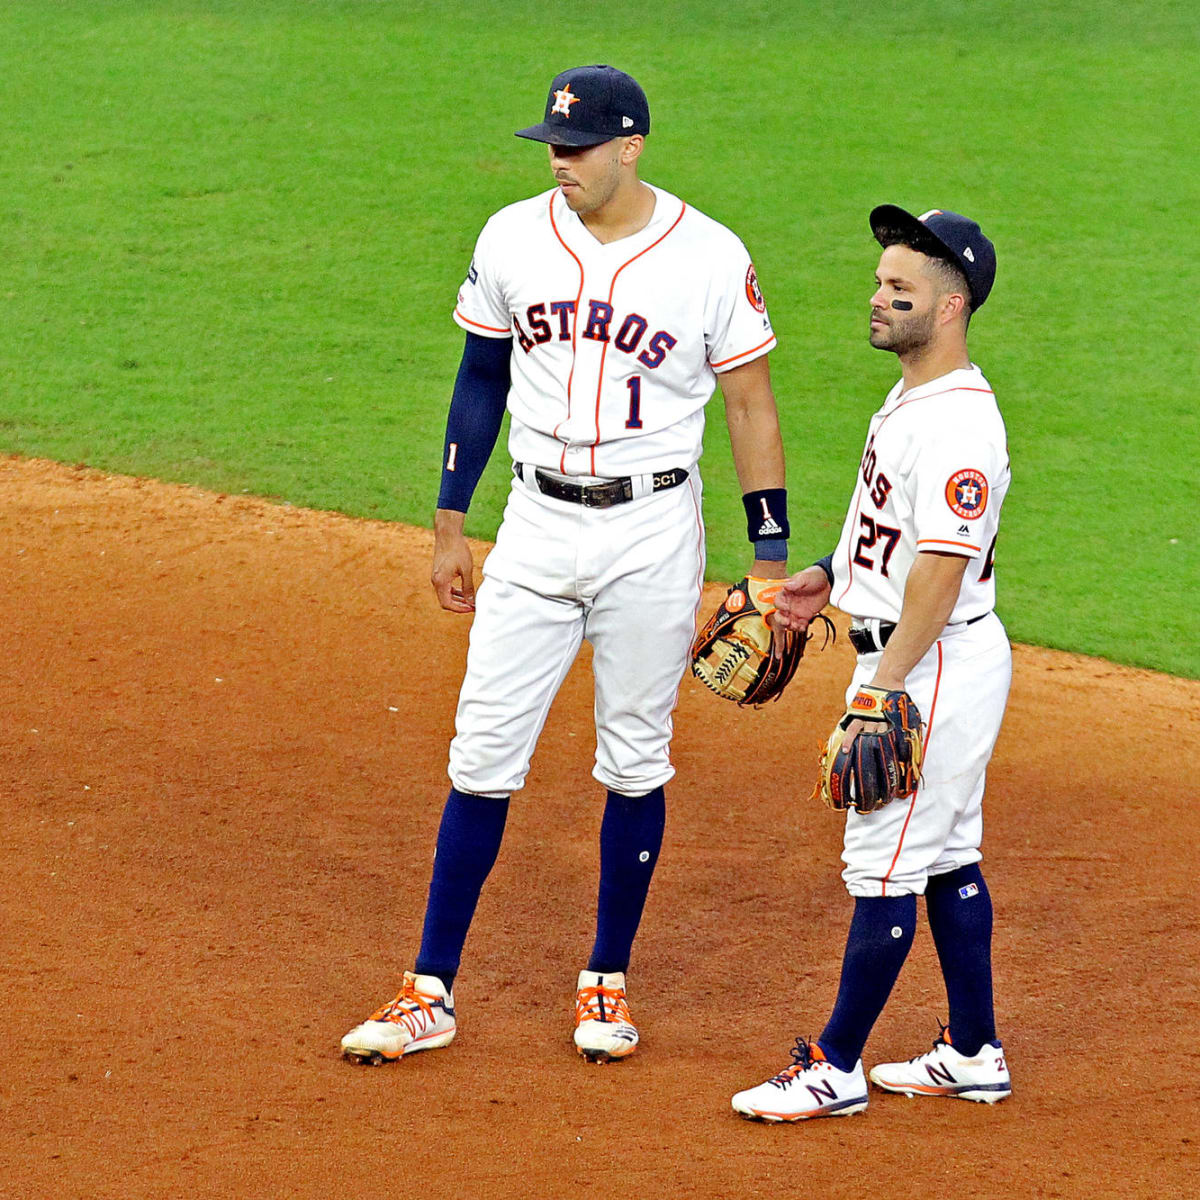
x,y
810,1087
420,1018
604,1030
943,1071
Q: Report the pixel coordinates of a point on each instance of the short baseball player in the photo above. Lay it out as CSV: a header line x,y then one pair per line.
x,y
914,570
601,313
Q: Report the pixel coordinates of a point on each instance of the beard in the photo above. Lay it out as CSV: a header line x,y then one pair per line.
x,y
904,334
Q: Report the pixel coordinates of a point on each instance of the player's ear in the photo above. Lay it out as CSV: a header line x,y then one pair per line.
x,y
632,149
954,306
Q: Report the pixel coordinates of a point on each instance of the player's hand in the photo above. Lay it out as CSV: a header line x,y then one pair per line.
x,y
801,598
453,573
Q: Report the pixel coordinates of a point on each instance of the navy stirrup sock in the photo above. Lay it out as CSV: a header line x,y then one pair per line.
x,y
467,844
881,933
630,838
960,919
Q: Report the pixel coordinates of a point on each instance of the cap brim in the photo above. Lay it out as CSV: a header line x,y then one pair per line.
x,y
560,135
892,216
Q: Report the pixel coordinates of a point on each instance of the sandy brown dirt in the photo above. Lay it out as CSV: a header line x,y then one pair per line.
x,y
222,767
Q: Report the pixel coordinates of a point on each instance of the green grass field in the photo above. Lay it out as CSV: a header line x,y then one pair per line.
x,y
233,235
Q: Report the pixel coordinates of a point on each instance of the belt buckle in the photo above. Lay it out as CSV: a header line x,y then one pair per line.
x,y
603,495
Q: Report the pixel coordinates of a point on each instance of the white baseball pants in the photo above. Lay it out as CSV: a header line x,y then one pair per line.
x,y
628,578
961,688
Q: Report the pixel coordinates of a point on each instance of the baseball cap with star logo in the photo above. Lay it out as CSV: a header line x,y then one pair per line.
x,y
942,234
590,105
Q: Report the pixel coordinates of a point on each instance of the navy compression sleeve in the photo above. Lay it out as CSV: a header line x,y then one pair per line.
x,y
476,410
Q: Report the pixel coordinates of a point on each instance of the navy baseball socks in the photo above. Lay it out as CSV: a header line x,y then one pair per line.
x,y
468,842
631,836
881,934
960,919
973,1065
422,1016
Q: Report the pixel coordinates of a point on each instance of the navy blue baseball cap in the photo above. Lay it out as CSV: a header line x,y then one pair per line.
x,y
590,105
941,234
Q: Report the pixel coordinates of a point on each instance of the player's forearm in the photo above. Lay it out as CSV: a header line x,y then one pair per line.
x,y
756,442
757,445
929,598
753,422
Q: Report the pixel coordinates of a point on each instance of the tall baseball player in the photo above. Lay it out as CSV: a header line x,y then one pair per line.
x,y
913,569
602,312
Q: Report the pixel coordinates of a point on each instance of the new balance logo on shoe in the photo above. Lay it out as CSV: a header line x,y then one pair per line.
x,y
939,1074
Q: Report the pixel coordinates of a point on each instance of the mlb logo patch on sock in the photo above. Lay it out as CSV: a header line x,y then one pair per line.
x,y
972,889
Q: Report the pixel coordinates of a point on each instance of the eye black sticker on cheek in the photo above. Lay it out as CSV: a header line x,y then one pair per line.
x,y
902,305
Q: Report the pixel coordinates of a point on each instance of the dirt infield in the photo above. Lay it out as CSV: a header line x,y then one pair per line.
x,y
224,731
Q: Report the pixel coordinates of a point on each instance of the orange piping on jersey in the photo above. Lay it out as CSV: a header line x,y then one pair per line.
x,y
612,288
937,683
940,542
562,458
478,325
735,357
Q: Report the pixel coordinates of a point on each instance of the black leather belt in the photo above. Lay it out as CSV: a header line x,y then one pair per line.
x,y
600,495
864,641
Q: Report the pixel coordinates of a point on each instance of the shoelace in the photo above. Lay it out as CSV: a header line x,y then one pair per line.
x,y
412,1009
802,1060
601,1004
942,1039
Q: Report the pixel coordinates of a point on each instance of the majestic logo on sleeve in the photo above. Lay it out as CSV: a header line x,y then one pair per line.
x,y
563,101
753,292
967,493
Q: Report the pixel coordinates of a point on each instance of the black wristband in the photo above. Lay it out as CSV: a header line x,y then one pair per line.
x,y
766,514
826,565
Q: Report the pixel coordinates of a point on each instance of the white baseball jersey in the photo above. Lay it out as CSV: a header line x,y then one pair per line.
x,y
932,477
617,345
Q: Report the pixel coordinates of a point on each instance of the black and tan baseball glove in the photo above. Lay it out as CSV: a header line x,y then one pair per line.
x,y
737,655
883,763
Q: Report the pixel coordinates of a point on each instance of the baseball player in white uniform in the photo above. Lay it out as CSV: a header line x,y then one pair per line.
x,y
601,313
914,570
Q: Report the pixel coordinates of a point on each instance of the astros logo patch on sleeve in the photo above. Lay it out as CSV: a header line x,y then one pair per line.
x,y
967,493
753,291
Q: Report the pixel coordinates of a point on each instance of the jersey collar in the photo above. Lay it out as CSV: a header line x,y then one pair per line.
x,y
962,377
580,238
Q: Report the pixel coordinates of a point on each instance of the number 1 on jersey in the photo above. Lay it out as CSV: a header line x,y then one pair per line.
x,y
635,403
